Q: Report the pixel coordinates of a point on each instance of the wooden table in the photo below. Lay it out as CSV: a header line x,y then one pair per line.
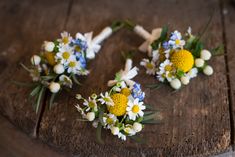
x,y
196,121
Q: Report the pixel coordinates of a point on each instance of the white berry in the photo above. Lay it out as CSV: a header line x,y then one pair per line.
x,y
35,60
184,80
199,62
114,130
205,55
49,46
208,70
54,87
137,127
58,68
90,116
176,84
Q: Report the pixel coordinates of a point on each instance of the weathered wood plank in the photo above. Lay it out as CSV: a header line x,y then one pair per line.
x,y
195,119
14,143
229,19
24,26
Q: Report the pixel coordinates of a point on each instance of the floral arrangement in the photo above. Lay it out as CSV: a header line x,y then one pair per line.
x,y
121,109
61,61
174,58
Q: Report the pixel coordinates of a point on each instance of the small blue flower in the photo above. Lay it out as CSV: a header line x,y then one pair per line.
x,y
82,60
136,92
81,45
166,45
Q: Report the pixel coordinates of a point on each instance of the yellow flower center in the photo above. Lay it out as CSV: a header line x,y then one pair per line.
x,y
182,60
135,109
120,104
91,104
168,67
177,41
65,55
149,66
78,48
50,57
72,64
126,91
65,40
109,120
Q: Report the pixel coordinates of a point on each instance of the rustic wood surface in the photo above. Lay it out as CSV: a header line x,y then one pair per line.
x,y
196,121
229,36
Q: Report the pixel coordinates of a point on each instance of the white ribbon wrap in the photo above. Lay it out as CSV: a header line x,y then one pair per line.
x,y
93,45
146,46
104,34
126,75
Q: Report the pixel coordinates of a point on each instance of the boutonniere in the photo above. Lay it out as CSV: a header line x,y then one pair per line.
x,y
121,109
174,58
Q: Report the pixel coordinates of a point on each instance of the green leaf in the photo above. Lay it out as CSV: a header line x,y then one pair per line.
x,y
24,84
198,48
118,76
98,133
52,98
219,50
35,91
49,77
151,121
101,114
56,48
129,24
39,98
180,73
25,67
76,80
116,25
154,86
138,139
149,117
189,43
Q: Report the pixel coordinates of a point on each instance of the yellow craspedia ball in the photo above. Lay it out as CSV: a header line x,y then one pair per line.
x,y
50,57
126,91
182,60
120,104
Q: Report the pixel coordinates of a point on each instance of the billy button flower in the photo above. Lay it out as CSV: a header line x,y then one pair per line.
x,y
120,104
182,60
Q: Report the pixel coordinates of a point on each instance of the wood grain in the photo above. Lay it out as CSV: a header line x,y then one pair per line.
x,y
195,120
24,26
229,37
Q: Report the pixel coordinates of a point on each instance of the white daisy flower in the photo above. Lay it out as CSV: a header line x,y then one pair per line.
x,y
66,81
73,66
150,66
106,99
166,66
65,54
122,136
192,73
109,120
90,104
161,76
134,109
176,40
129,130
169,76
65,38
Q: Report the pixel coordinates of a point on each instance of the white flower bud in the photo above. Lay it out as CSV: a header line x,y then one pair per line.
x,y
35,60
137,127
176,84
199,62
78,96
54,87
90,116
58,68
205,55
114,130
184,80
49,46
208,70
